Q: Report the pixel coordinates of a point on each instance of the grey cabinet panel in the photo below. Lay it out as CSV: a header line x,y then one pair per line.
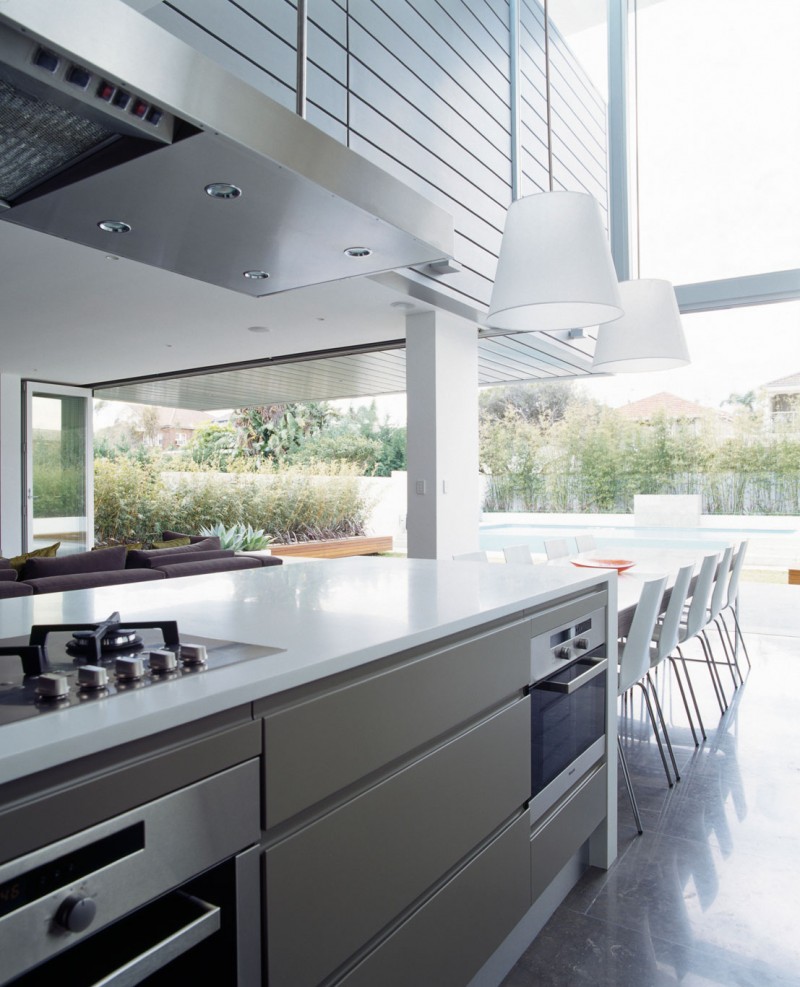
x,y
337,883
319,747
447,941
564,831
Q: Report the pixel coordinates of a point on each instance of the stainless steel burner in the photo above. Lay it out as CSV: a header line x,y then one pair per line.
x,y
82,642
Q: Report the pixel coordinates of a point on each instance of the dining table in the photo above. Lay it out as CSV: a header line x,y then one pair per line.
x,y
634,567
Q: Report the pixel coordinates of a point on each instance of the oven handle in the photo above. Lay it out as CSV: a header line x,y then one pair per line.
x,y
156,958
597,666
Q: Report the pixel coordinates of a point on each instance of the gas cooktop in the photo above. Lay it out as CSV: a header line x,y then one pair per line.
x,y
64,665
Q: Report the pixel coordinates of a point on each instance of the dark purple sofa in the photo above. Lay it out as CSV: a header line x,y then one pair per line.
x,y
117,565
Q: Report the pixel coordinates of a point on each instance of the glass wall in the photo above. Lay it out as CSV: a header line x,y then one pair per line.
x,y
58,494
718,91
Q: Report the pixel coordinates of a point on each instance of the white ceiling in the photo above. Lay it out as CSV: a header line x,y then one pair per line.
x,y
70,314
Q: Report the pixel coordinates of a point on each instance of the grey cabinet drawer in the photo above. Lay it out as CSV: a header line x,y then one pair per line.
x,y
338,882
448,940
319,746
566,829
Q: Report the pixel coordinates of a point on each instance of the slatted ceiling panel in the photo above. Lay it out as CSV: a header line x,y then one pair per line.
x,y
501,359
527,355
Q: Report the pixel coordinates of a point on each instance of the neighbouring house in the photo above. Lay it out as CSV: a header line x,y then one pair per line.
x,y
673,408
783,397
149,425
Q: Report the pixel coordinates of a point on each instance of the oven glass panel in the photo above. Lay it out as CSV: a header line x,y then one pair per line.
x,y
563,726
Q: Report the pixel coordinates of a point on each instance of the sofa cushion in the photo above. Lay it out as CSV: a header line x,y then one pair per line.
x,y
8,588
143,559
199,568
261,557
172,535
7,574
91,580
45,553
172,542
178,558
109,560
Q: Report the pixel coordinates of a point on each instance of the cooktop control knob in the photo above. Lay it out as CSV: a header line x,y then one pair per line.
x,y
92,677
163,661
129,669
565,653
194,654
52,686
581,643
76,913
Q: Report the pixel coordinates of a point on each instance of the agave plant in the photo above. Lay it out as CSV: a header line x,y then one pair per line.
x,y
238,537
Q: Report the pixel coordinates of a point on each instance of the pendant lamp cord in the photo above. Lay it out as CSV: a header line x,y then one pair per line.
x,y
547,95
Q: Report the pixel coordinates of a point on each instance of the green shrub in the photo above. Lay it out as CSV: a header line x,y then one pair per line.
x,y
135,502
238,538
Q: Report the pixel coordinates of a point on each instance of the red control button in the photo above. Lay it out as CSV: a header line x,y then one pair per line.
x,y
105,91
140,109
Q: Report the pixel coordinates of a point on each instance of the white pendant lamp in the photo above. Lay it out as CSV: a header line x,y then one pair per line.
x,y
650,334
555,269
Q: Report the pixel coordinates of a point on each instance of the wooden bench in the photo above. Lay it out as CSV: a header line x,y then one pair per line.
x,y
336,548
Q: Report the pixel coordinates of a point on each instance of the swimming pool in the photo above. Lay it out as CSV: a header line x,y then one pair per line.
x,y
494,537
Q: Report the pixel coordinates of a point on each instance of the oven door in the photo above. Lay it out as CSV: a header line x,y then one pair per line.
x,y
568,725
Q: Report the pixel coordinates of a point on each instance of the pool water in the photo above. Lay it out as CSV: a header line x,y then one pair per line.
x,y
496,537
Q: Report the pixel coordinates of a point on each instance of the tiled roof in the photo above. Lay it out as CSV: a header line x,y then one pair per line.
x,y
792,381
669,405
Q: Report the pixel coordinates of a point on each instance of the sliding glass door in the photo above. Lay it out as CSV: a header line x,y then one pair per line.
x,y
58,480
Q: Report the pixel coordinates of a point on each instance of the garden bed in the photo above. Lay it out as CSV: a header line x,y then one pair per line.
x,y
336,548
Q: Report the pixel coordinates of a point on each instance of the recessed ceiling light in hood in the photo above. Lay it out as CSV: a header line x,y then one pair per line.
x,y
308,196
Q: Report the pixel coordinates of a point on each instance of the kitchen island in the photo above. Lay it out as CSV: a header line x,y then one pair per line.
x,y
390,725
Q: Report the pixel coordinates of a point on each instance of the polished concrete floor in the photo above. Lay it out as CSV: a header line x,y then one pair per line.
x,y
709,896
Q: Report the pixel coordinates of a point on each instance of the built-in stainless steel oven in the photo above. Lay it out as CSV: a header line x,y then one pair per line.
x,y
568,705
160,894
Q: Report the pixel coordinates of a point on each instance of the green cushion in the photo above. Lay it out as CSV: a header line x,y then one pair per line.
x,y
48,552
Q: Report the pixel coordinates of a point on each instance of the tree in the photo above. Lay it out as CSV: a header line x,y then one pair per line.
x,y
145,425
276,431
538,401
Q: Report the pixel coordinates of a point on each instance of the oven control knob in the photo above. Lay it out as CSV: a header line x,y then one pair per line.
x,y
194,654
76,913
52,686
581,643
92,677
129,669
565,652
163,661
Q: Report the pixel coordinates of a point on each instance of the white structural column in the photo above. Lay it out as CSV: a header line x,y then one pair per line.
x,y
11,458
442,395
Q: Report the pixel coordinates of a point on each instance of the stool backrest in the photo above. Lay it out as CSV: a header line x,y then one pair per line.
x,y
635,659
721,581
696,619
520,554
736,571
471,557
556,548
671,624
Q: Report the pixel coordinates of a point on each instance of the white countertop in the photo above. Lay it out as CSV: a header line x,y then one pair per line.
x,y
327,617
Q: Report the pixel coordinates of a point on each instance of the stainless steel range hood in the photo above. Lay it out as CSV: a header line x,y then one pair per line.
x,y
147,123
